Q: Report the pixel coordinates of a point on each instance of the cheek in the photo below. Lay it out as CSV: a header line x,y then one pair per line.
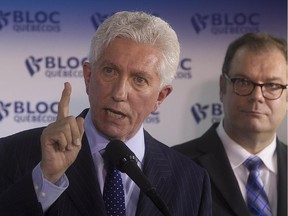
x,y
232,103
94,93
145,105
229,99
279,109
97,88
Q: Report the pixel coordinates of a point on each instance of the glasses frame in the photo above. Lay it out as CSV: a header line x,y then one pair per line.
x,y
233,80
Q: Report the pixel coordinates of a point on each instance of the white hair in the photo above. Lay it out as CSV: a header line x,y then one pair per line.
x,y
141,28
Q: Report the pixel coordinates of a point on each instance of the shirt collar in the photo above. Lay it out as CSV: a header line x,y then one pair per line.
x,y
237,154
98,142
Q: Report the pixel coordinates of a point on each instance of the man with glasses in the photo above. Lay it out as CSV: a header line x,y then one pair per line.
x,y
253,90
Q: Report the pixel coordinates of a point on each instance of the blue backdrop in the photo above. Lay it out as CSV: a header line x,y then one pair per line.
x,y
43,44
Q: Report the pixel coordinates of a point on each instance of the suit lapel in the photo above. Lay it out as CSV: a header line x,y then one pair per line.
x,y
216,162
156,168
282,179
84,188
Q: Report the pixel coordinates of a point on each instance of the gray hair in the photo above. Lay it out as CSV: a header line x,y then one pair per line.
x,y
141,28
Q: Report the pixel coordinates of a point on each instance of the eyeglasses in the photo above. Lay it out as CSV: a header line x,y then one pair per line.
x,y
245,87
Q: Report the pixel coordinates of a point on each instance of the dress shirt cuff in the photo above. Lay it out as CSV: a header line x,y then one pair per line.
x,y
47,192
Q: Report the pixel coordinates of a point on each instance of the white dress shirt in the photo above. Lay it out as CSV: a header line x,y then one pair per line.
x,y
268,172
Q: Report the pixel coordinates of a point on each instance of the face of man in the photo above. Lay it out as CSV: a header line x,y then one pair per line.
x,y
124,88
254,114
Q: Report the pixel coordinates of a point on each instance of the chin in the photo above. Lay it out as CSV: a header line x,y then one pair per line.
x,y
114,133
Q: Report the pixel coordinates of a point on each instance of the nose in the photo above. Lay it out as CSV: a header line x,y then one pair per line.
x,y
257,94
120,90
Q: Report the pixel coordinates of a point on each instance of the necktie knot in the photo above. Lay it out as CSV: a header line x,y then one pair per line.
x,y
253,163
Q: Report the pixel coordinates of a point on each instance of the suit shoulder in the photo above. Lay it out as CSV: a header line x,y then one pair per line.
x,y
191,144
194,147
178,159
30,133
282,145
22,140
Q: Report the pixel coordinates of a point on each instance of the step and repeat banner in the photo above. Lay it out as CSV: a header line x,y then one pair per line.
x,y
44,43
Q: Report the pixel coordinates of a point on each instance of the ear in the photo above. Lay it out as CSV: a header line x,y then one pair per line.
x,y
222,87
166,90
286,100
87,74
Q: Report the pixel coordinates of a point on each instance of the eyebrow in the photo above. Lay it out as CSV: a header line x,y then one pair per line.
x,y
134,72
267,79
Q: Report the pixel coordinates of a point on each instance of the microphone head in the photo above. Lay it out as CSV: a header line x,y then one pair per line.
x,y
119,155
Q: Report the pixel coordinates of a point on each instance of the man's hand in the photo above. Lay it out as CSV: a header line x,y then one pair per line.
x,y
61,140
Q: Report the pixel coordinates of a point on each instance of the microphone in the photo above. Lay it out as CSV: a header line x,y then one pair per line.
x,y
119,155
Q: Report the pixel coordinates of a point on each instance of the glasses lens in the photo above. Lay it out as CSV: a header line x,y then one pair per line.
x,y
243,86
272,91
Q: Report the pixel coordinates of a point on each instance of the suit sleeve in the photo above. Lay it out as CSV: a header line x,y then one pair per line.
x,y
19,198
17,159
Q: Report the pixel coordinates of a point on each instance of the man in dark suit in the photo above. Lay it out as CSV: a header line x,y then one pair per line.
x,y
59,169
253,92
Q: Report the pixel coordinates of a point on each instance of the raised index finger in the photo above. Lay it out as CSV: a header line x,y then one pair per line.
x,y
63,106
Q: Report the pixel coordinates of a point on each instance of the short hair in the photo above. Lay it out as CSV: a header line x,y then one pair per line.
x,y
257,42
142,28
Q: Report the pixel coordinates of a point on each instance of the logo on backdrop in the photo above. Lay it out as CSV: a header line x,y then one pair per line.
x,y
28,21
97,18
201,112
4,19
43,112
55,67
224,23
4,110
184,69
153,118
29,112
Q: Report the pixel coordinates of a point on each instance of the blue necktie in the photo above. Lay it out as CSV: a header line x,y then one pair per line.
x,y
113,193
257,199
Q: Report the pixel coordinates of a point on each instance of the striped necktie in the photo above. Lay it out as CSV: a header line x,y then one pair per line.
x,y
257,199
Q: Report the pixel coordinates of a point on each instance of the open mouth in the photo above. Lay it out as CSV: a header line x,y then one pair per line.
x,y
115,114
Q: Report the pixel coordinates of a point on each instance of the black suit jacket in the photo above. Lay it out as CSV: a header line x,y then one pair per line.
x,y
227,200
183,185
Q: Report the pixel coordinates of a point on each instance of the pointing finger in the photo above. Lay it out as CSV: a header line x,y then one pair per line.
x,y
63,106
80,123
